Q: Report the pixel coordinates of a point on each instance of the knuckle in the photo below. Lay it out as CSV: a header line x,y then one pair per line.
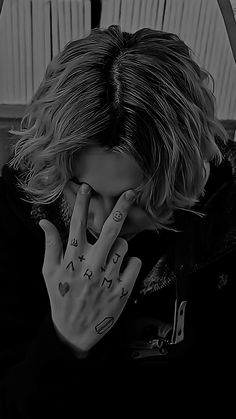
x,y
51,242
81,223
78,223
79,204
110,232
81,199
126,205
123,243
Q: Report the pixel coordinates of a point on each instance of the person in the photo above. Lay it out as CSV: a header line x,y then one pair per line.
x,y
117,224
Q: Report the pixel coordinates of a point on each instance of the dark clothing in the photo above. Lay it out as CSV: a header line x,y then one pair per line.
x,y
37,367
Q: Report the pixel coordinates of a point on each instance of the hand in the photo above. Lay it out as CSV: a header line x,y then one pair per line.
x,y
86,289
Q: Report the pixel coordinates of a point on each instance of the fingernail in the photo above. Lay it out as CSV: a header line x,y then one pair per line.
x,y
130,195
85,189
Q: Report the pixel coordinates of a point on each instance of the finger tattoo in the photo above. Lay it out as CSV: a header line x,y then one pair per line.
x,y
116,258
72,266
81,258
104,325
88,273
117,216
109,281
103,269
63,288
123,293
74,242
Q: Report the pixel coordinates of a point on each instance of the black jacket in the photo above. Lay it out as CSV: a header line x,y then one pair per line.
x,y
38,369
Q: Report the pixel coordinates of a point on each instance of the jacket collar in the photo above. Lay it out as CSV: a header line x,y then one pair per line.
x,y
215,233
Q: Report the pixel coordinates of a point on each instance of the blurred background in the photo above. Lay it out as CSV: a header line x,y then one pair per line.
x,y
32,32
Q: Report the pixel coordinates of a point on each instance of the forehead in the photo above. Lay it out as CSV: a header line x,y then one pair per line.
x,y
106,172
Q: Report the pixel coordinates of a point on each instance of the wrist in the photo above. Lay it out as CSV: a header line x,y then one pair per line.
x,y
79,353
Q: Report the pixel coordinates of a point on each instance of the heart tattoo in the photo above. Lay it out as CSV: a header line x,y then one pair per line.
x,y
63,288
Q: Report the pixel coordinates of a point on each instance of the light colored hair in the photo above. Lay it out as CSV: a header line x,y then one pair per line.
x,y
140,95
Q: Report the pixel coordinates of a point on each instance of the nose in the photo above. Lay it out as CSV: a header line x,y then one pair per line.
x,y
101,209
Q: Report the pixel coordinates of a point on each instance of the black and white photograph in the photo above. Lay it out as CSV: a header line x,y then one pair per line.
x,y
117,207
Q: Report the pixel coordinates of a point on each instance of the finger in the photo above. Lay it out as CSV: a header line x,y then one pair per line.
x,y
53,246
113,226
116,256
128,278
78,224
110,274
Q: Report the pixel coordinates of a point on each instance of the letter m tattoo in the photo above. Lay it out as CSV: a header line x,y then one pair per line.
x,y
109,281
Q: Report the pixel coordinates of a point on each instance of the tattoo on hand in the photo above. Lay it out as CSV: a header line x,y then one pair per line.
x,y
72,266
81,258
109,281
117,216
116,258
63,288
74,242
88,273
103,269
123,294
104,325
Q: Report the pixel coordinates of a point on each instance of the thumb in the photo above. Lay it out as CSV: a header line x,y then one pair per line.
x,y
53,244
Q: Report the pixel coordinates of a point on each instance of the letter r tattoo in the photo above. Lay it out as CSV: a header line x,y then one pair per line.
x,y
88,273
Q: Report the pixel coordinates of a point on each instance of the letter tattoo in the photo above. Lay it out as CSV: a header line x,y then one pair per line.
x,y
88,273
123,294
109,281
117,256
72,266
117,216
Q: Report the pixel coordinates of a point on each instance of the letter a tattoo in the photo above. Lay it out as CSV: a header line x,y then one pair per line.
x,y
72,266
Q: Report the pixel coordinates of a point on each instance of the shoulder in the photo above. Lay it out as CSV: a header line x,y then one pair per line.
x,y
217,229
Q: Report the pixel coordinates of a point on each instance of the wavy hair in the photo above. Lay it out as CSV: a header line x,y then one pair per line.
x,y
140,95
